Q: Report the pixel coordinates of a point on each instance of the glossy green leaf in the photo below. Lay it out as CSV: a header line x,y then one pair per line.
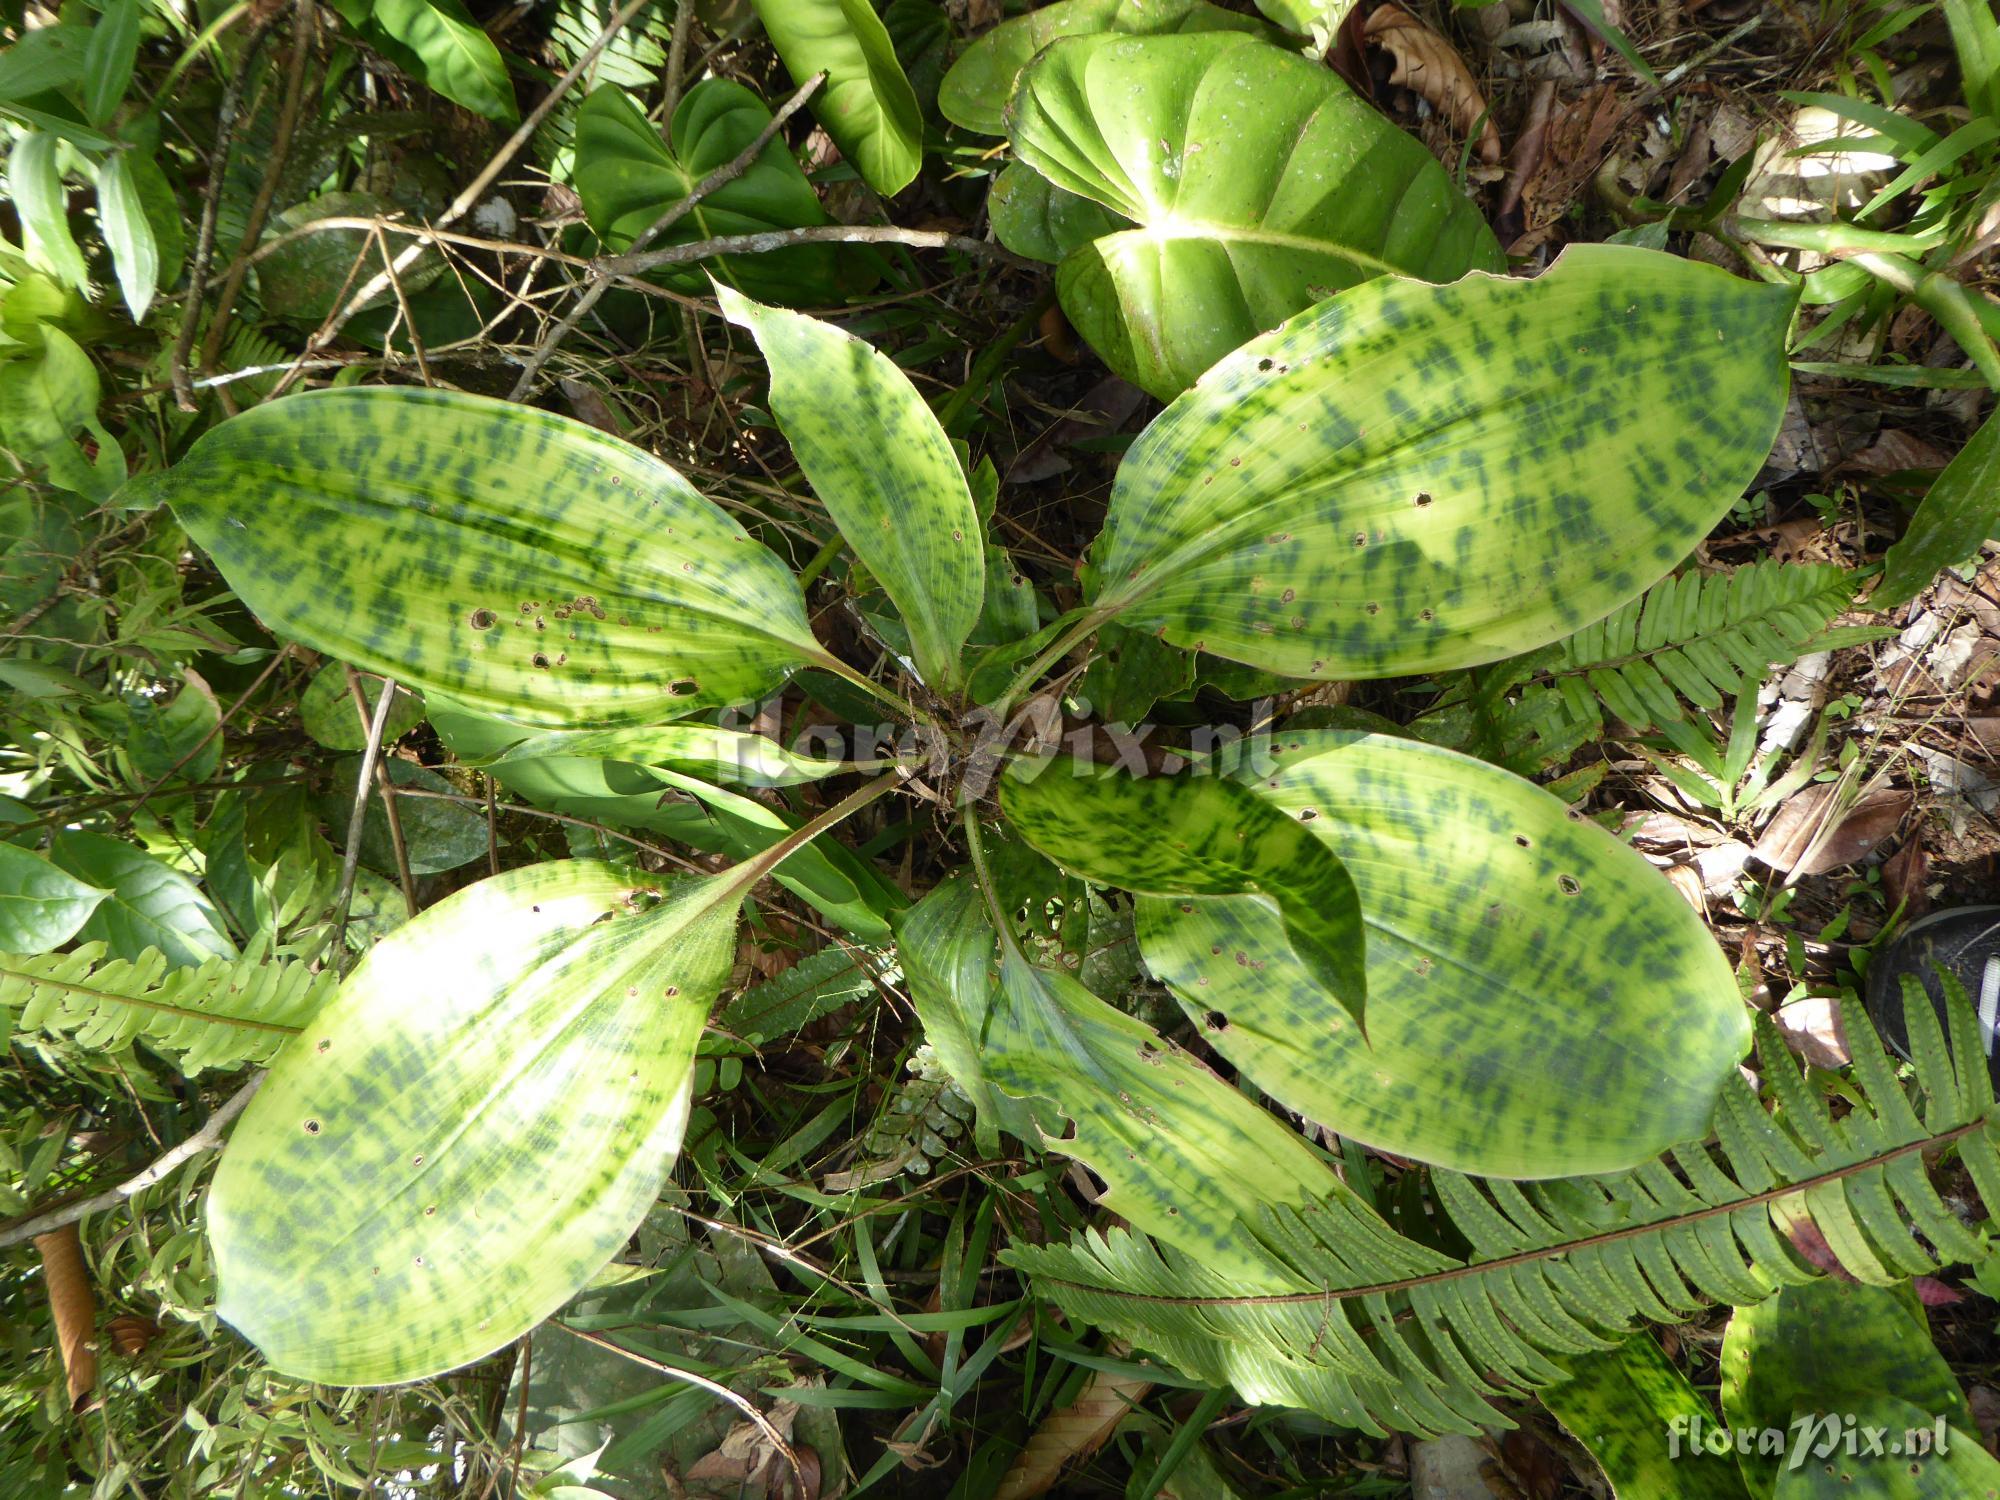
x,y
1318,19
884,470
1627,1406
1831,1346
628,178
437,835
519,562
46,58
866,103
1507,945
135,254
1410,478
703,750
1189,1159
150,905
1199,836
444,46
329,715
35,187
45,400
975,92
41,906
178,737
1257,180
1960,511
108,58
472,1126
1032,216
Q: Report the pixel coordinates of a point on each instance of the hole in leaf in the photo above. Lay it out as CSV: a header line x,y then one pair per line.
x,y
312,1127
483,619
1423,497
1569,885
683,687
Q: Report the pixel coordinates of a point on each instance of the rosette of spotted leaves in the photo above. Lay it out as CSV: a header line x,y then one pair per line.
x,y
515,561
1410,478
1379,1331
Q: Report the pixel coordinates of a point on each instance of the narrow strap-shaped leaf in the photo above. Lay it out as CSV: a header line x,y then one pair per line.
x,y
884,469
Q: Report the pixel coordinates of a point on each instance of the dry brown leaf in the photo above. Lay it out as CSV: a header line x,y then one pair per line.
x,y
1787,843
1580,137
1075,1432
1811,1027
1905,874
74,1307
1428,65
1529,145
748,1460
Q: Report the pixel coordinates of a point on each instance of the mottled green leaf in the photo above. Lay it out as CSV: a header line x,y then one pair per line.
x,y
472,1126
975,92
1508,945
41,906
884,469
698,749
1410,478
1624,1405
327,711
866,103
628,178
1199,836
946,944
1033,217
1960,511
1189,1159
1259,182
1831,1346
519,562
1928,1461
437,835
306,279
150,905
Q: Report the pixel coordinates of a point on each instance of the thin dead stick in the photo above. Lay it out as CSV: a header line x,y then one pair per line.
x,y
765,241
388,786
208,1138
364,782
403,307
600,279
204,243
460,206
260,206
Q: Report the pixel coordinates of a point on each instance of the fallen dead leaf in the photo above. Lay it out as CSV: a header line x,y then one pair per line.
x,y
1431,68
1905,877
1580,137
748,1459
1529,145
1075,1432
1788,843
74,1308
1811,1028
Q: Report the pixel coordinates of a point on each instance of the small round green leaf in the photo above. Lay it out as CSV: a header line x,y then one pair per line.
x,y
328,713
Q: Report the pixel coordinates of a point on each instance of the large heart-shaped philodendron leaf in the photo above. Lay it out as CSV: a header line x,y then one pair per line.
x,y
975,92
519,562
628,177
1410,478
1197,835
1032,216
866,103
1508,945
1258,183
884,469
472,1126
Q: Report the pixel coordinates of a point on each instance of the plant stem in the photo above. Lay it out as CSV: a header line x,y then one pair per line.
x,y
1945,300
741,877
828,551
1064,644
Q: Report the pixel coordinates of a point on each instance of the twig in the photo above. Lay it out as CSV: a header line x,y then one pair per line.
x,y
677,55
208,1138
468,197
260,206
363,783
388,786
600,277
204,244
765,241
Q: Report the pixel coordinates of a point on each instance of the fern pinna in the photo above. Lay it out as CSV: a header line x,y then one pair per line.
x,y
1370,1328
223,1013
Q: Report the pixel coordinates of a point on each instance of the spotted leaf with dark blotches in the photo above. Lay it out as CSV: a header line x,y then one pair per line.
x,y
1198,835
1409,478
1541,1002
518,562
472,1126
1256,180
884,469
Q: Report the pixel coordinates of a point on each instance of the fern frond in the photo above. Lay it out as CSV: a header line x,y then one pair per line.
x,y
817,985
225,1013
1370,1328
923,1121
